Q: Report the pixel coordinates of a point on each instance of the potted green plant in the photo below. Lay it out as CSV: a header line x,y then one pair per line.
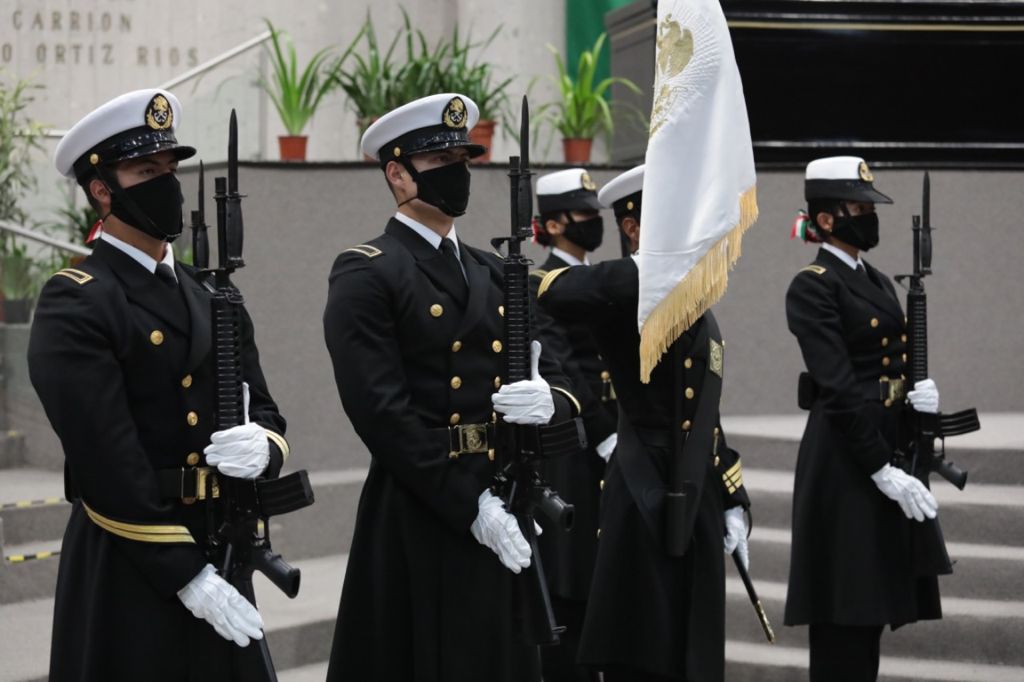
x,y
476,79
582,111
376,81
296,95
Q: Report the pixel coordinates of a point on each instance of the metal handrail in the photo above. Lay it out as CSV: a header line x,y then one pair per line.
x,y
193,72
22,231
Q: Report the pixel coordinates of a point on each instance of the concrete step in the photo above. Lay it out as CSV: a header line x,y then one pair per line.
x,y
972,630
746,662
299,631
979,571
12,445
984,465
981,513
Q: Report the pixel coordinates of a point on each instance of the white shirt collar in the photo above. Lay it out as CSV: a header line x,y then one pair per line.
x,y
568,257
843,256
140,256
432,237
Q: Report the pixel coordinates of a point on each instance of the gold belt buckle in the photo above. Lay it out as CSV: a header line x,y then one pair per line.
x,y
201,474
891,390
472,438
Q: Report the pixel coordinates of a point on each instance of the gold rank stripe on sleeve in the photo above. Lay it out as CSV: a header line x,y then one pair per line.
x,y
77,276
539,274
365,250
816,269
141,532
280,442
548,279
570,396
733,478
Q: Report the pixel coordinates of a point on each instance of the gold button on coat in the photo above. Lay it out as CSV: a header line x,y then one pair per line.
x,y
192,418
689,393
456,346
192,459
888,402
156,337
686,425
688,363
885,341
456,382
598,533
501,310
602,484
436,310
904,357
903,338
874,321
454,419
187,381
717,460
885,362
496,346
497,382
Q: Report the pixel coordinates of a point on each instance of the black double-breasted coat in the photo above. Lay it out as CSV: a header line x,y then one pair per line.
x,y
123,367
647,610
855,558
569,557
414,354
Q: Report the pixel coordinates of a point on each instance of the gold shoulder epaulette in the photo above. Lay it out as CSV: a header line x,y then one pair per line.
x,y
364,250
816,269
548,279
77,276
540,274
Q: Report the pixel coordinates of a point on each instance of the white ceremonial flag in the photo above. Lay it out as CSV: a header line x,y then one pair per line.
x,y
700,192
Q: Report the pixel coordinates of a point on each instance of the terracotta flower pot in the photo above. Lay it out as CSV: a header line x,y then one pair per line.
x,y
482,133
576,149
293,147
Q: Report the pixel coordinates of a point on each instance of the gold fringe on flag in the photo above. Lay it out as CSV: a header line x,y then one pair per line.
x,y
702,287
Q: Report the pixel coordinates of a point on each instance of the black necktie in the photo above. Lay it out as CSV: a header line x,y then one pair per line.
x,y
166,275
447,249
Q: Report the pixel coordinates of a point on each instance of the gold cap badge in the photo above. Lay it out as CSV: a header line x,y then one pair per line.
x,y
454,114
586,182
865,173
159,115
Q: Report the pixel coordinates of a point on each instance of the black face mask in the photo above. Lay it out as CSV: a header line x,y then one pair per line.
x,y
586,234
153,207
445,188
859,231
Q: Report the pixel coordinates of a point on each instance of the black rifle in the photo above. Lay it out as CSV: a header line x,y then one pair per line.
x,y
239,539
520,448
923,459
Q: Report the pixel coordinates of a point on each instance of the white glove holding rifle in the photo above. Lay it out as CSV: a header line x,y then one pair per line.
x,y
242,451
210,597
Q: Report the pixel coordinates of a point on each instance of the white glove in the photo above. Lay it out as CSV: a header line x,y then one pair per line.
x,y
210,597
528,401
736,535
925,397
606,447
914,499
241,451
498,530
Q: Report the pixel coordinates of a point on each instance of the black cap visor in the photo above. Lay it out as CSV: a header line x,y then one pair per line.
x,y
432,139
847,190
131,144
576,200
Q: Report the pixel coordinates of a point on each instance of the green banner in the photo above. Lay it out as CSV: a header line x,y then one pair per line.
x,y
584,22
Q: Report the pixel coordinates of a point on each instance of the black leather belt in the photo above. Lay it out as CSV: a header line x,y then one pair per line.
x,y
553,440
189,485
467,439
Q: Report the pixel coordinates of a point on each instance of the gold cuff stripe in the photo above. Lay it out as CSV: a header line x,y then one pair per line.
x,y
280,442
734,470
364,250
548,279
140,532
571,398
76,276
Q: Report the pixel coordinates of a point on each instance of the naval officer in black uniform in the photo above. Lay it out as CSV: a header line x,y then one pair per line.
x,y
120,355
414,327
652,617
866,546
570,224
